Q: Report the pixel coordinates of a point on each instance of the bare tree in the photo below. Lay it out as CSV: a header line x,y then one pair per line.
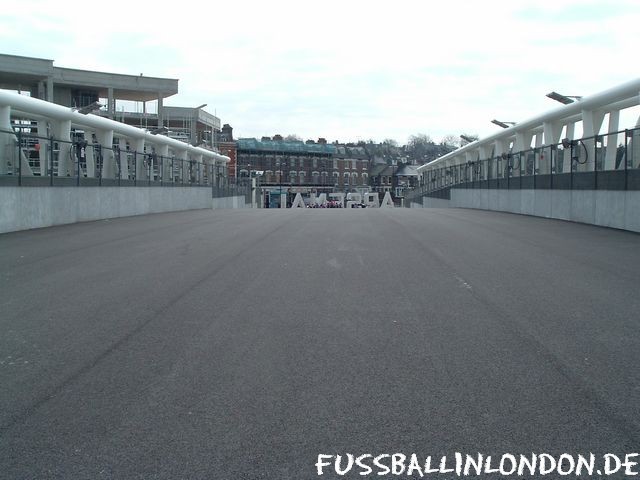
x,y
419,145
451,141
419,139
292,137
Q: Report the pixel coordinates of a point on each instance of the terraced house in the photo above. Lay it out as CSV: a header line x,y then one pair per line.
x,y
292,167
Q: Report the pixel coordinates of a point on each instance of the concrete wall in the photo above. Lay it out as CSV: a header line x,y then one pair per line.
x,y
22,208
607,208
429,202
230,202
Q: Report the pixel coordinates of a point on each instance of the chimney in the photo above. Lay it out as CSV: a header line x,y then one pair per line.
x,y
227,133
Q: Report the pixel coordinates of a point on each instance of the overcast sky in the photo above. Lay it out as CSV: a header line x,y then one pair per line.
x,y
345,70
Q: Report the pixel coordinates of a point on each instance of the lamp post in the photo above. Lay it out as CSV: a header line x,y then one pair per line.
x,y
564,99
159,131
92,107
503,124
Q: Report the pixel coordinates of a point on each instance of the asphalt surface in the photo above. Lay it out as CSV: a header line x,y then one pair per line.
x,y
242,344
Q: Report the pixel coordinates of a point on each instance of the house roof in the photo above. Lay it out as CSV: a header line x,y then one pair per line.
x,y
284,146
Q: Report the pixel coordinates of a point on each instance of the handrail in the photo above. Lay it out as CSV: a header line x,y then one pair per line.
x,y
614,99
33,106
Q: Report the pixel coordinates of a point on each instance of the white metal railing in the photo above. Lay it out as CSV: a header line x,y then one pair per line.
x,y
22,116
546,129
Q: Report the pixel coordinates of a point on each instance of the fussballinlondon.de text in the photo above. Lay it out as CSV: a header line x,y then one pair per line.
x,y
465,465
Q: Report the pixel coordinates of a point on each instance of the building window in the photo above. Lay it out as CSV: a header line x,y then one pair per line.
x,y
346,178
335,163
315,163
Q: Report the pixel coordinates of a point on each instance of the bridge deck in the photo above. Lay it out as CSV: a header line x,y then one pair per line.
x,y
242,344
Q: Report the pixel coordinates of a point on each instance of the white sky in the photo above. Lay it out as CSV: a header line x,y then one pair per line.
x,y
345,70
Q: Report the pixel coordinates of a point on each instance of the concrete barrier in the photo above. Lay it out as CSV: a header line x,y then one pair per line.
x,y
230,202
607,208
22,208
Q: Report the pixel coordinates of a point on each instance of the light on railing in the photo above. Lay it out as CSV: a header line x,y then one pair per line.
x,y
503,124
159,131
564,99
87,109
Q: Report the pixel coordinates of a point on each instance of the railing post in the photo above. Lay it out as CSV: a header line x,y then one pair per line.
x,y
77,155
520,168
51,141
19,160
595,161
535,160
627,134
571,166
118,157
101,164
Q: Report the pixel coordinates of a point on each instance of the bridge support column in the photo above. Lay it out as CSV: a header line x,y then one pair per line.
x,y
138,148
566,158
591,122
633,148
43,153
501,164
552,132
484,162
165,163
63,136
7,140
89,154
182,166
612,141
105,139
124,158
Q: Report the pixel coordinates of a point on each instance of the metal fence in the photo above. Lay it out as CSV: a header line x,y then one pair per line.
x,y
601,162
32,160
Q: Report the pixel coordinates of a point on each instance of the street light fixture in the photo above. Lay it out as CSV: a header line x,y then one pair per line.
x,y
200,106
159,131
467,139
503,124
564,99
87,109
